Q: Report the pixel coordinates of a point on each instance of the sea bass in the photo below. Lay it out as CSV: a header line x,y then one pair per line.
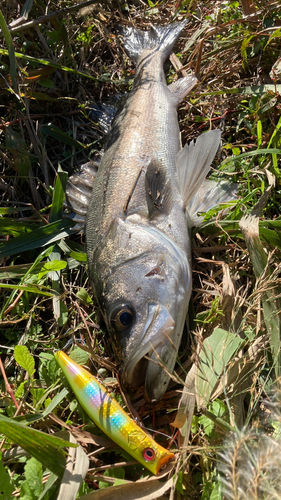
x,y
146,194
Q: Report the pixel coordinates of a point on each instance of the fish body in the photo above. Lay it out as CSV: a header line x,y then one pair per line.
x,y
108,415
146,195
138,245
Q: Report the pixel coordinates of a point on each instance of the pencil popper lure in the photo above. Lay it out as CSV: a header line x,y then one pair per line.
x,y
108,415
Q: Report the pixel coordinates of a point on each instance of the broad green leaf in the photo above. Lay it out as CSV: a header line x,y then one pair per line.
x,y
73,249
33,479
275,34
80,356
38,238
80,257
217,351
217,409
21,390
83,295
117,472
244,46
25,492
53,265
49,450
6,485
24,359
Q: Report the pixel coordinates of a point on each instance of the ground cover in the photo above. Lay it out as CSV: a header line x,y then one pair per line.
x,y
56,59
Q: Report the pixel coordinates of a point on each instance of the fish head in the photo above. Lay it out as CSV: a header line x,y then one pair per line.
x,y
144,285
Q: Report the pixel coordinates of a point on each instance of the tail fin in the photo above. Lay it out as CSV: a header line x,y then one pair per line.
x,y
161,38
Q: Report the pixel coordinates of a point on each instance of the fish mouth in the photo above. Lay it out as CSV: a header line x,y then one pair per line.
x,y
157,329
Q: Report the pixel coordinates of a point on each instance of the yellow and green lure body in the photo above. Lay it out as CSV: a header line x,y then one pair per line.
x,y
110,417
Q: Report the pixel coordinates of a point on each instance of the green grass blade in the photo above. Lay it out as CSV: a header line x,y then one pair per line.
x,y
255,89
270,295
39,289
15,227
49,450
60,312
53,64
18,271
251,153
26,8
59,135
12,210
59,194
11,51
38,238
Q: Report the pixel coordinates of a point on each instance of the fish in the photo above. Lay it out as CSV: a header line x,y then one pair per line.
x,y
146,195
108,415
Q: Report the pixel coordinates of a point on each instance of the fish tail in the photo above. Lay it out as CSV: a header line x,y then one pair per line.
x,y
161,38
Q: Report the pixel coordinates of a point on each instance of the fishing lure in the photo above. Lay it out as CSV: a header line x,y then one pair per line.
x,y
108,415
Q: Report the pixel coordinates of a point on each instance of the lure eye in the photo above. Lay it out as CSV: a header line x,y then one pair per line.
x,y
148,454
122,317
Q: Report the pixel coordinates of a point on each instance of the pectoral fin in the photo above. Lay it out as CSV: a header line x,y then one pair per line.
x,y
158,189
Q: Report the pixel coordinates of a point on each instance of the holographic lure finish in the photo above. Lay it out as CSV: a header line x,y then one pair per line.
x,y
108,415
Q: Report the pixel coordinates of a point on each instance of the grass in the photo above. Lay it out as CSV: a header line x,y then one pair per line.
x,y
56,60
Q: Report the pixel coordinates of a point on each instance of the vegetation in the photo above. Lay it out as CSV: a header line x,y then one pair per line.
x,y
56,58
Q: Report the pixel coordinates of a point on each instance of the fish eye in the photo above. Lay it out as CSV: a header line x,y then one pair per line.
x,y
122,317
148,454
